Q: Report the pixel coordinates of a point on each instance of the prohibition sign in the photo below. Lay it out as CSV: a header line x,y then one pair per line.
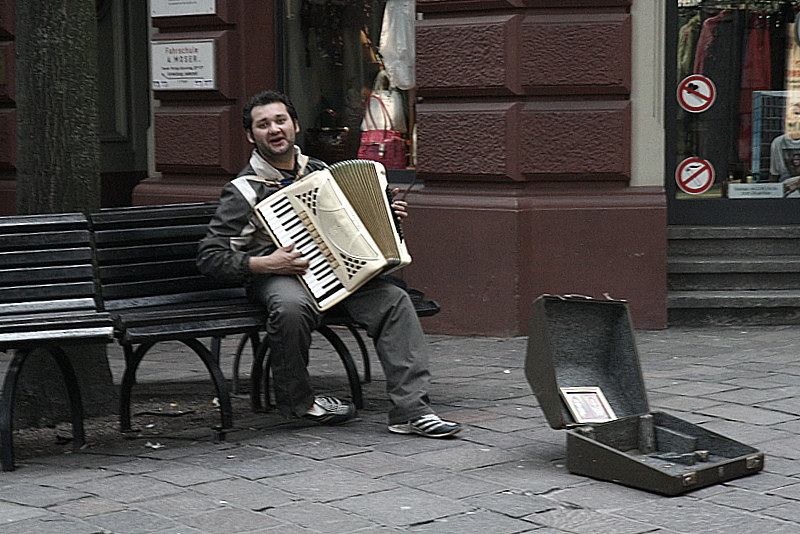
x,y
696,93
694,176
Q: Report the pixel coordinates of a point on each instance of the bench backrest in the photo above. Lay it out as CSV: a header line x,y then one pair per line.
x,y
45,265
146,257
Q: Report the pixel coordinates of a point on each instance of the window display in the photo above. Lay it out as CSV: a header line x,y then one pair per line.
x,y
349,70
738,93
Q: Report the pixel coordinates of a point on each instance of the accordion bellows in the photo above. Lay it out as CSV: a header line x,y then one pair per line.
x,y
341,219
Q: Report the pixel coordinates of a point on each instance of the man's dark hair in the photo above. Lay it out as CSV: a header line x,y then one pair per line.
x,y
262,99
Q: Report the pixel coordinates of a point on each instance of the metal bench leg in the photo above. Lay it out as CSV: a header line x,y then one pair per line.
x,y
74,394
7,402
132,360
237,358
347,360
257,372
7,410
216,348
364,354
223,394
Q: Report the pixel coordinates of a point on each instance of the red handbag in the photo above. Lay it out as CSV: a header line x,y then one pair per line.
x,y
385,146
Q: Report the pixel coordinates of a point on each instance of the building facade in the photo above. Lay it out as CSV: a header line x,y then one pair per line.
x,y
545,138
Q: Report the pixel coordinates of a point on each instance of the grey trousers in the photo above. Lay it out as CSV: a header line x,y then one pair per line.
x,y
390,320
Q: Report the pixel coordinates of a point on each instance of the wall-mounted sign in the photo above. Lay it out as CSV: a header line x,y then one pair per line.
x,y
183,65
179,8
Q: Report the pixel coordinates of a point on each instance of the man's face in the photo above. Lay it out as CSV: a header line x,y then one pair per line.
x,y
273,131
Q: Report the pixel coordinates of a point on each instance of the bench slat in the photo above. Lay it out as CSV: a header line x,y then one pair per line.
x,y
176,301
48,306
48,292
233,311
150,271
133,254
199,213
55,321
43,222
41,258
43,337
191,330
50,275
155,288
53,238
135,236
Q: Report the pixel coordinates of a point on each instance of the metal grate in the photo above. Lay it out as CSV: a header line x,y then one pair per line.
x,y
768,123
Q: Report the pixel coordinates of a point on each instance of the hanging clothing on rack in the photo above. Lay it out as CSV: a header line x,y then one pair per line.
x,y
756,76
719,58
707,34
397,43
687,44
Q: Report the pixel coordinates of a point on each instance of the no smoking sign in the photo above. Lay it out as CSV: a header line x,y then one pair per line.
x,y
696,93
694,176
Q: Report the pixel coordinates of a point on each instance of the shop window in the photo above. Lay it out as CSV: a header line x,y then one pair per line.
x,y
738,101
348,66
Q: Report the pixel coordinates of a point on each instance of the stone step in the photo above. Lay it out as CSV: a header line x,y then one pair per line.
x,y
780,298
733,281
733,232
729,264
733,241
739,308
733,275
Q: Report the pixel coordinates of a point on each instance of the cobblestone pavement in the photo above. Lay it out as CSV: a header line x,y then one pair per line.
x,y
505,473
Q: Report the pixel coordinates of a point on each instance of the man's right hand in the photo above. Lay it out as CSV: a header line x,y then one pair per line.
x,y
285,260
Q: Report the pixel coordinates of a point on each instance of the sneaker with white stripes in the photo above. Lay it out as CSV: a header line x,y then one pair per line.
x,y
430,426
331,411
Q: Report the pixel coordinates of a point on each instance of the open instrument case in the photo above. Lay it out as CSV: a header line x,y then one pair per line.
x,y
582,351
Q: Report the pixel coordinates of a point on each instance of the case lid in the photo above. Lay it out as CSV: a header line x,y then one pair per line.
x,y
581,342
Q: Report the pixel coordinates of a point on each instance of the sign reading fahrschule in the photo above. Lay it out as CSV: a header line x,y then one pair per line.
x,y
177,8
183,65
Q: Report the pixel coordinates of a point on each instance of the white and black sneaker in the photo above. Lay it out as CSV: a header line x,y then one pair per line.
x,y
430,426
330,411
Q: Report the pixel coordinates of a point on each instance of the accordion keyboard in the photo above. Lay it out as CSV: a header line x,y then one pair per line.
x,y
320,278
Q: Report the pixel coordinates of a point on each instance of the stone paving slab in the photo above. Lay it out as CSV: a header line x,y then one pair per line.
x,y
505,474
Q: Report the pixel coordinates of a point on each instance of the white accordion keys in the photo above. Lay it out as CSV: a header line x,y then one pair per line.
x,y
326,224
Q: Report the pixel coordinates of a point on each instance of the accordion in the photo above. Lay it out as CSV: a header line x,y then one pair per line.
x,y
341,219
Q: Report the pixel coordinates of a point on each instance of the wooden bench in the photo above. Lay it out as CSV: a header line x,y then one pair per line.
x,y
130,274
47,301
150,285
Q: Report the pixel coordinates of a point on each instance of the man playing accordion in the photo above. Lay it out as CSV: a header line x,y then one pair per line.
x,y
237,248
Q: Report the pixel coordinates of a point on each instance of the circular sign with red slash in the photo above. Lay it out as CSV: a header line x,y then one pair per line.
x,y
696,93
694,176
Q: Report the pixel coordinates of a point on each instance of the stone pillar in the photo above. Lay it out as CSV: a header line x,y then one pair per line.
x,y
199,139
524,146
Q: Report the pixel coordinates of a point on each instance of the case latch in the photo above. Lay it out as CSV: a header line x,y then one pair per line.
x,y
753,462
